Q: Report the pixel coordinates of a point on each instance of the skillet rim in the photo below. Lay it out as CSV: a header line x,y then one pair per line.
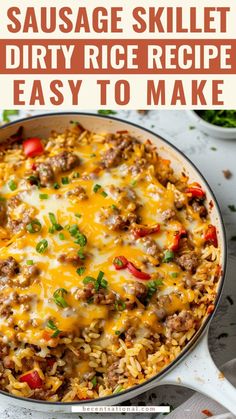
x,y
208,319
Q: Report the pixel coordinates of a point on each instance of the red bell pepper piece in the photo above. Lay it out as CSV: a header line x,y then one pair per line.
x,y
211,235
137,273
120,262
145,231
177,238
196,192
33,147
33,379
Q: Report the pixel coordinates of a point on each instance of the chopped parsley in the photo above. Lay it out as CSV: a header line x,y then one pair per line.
x,y
51,325
191,127
42,246
114,207
61,236
12,185
117,332
134,183
96,188
78,215
93,155
59,299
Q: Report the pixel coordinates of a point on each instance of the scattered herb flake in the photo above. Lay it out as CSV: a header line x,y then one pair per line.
x,y
29,262
213,148
106,112
191,127
232,208
56,186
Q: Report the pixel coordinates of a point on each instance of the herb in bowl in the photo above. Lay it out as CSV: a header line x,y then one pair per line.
x,y
222,118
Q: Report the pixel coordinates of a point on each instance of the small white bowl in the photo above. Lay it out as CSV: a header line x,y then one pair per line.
x,y
213,130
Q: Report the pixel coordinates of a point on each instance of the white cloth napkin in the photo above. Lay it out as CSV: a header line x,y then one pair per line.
x,y
193,408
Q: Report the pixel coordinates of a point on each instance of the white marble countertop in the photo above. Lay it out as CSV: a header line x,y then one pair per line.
x,y
211,156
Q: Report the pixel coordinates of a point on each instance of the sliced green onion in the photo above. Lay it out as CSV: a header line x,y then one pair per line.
x,y
43,196
34,226
12,185
88,279
56,186
59,299
42,246
75,175
174,274
152,287
96,187
73,230
118,389
81,254
120,305
61,236
78,215
81,239
103,193
53,220
65,180
80,271
168,256
100,281
51,325
29,262
94,381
